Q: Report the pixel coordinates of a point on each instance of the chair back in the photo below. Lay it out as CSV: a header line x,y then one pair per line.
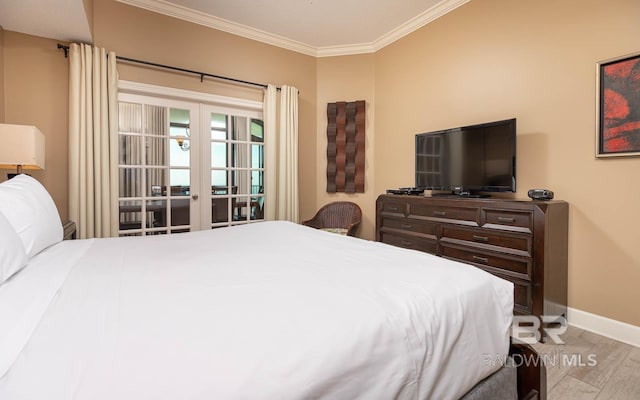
x,y
338,214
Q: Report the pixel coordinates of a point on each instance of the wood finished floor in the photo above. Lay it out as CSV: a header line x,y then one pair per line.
x,y
616,376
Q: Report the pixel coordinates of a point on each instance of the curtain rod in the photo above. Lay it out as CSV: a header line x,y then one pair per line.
x,y
188,71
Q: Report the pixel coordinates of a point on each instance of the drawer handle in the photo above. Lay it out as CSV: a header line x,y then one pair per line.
x,y
480,238
439,213
405,226
393,208
406,242
483,260
506,219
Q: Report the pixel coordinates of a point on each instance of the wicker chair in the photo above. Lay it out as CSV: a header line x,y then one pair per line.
x,y
339,216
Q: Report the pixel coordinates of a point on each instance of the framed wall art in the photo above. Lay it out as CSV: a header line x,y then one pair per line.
x,y
618,107
345,146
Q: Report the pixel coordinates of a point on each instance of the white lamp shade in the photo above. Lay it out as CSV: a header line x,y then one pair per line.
x,y
21,145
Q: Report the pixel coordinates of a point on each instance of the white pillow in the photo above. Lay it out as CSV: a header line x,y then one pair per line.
x,y
32,213
12,255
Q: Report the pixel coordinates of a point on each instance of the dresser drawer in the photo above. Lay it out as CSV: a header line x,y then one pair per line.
x,y
409,242
508,242
395,207
464,215
517,267
521,221
409,225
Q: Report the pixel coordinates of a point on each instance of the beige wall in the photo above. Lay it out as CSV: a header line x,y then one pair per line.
x,y
36,93
347,78
495,59
136,33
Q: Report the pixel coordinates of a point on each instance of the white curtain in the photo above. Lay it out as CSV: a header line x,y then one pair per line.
x,y
281,158
270,150
93,146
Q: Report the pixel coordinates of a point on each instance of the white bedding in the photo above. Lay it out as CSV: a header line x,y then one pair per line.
x,y
263,311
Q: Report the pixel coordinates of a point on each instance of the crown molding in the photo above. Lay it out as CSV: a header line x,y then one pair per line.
x,y
417,22
345,50
200,18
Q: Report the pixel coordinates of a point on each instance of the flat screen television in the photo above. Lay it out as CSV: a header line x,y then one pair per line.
x,y
468,160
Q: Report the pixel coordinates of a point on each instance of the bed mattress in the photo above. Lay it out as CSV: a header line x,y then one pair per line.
x,y
269,310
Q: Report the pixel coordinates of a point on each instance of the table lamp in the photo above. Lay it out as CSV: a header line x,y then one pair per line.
x,y
21,147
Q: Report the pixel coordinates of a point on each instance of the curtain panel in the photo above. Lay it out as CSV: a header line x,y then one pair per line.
x,y
281,154
93,146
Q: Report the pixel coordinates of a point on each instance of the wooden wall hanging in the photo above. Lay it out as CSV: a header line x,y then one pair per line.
x,y
345,147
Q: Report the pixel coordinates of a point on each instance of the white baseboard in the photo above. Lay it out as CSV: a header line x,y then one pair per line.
x,y
616,330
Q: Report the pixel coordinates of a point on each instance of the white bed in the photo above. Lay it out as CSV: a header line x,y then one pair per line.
x,y
270,310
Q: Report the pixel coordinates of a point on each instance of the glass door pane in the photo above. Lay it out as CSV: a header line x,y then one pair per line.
x,y
237,168
155,166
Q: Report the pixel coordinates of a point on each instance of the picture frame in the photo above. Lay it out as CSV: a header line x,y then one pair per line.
x,y
618,106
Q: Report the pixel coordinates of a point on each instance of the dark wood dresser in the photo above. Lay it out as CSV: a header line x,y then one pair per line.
x,y
522,241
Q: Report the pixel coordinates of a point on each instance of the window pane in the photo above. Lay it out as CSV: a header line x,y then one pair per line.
x,y
259,208
241,180
156,151
218,154
243,209
130,152
129,117
257,182
218,121
179,122
156,120
130,215
180,212
257,130
239,128
179,179
130,182
180,131
257,156
156,213
179,152
219,178
220,209
218,126
240,155
156,182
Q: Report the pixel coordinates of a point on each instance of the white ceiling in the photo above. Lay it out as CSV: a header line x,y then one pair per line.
x,y
314,27
56,19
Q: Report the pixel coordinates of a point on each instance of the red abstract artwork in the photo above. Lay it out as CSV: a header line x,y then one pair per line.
x,y
619,106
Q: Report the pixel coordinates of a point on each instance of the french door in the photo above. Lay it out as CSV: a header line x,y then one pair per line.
x,y
187,165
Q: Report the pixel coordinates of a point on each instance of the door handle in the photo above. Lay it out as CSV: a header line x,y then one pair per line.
x,y
194,196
